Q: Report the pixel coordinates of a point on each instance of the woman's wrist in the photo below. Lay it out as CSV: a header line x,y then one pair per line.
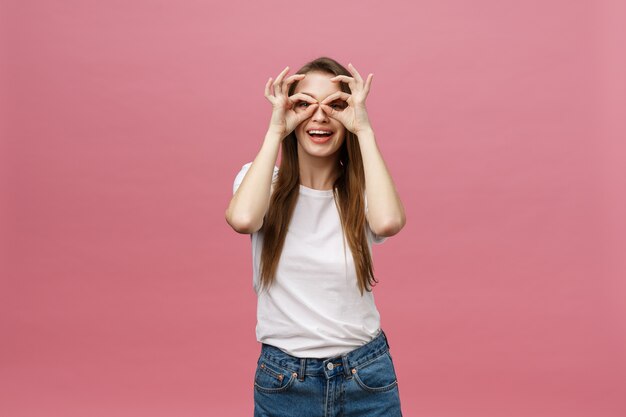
x,y
275,134
365,132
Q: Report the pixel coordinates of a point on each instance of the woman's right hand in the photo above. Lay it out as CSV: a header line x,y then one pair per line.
x,y
284,116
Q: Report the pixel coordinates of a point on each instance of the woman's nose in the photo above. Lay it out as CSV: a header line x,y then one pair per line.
x,y
319,114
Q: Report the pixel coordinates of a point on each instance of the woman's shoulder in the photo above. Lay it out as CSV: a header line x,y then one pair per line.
x,y
247,165
242,173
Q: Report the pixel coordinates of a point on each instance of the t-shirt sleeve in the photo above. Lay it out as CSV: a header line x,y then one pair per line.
x,y
242,174
373,237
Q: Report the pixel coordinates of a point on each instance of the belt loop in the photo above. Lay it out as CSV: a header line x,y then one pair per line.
x,y
386,340
302,368
346,367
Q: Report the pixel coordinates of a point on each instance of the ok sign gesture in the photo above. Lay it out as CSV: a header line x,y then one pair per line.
x,y
354,116
284,117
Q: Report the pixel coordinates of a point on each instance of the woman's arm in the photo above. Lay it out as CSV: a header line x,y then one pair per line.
x,y
385,213
251,200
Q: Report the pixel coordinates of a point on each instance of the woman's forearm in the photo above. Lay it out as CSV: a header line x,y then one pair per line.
x,y
251,200
385,210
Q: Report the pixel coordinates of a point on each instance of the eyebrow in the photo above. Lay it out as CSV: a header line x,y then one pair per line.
x,y
311,95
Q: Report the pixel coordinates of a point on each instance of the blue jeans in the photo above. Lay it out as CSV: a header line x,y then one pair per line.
x,y
361,382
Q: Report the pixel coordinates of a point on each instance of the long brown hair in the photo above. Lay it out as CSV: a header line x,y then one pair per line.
x,y
348,191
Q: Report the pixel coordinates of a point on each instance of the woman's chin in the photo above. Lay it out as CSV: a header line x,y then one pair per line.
x,y
319,150
321,153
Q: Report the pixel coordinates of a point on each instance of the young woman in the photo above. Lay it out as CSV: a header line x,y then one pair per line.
x,y
312,224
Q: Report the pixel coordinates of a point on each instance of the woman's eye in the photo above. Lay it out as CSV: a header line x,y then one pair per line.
x,y
339,106
302,104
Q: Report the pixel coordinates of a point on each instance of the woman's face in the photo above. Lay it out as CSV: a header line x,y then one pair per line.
x,y
319,86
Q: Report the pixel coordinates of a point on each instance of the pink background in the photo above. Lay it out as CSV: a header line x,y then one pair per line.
x,y
124,292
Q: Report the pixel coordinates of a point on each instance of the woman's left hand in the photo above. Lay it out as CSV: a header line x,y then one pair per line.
x,y
354,115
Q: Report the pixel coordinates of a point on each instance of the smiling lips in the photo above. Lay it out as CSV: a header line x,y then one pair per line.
x,y
319,136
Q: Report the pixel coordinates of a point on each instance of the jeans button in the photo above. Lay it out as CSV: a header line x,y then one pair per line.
x,y
330,366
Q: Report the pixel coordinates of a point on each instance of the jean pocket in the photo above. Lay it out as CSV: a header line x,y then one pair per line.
x,y
377,375
272,378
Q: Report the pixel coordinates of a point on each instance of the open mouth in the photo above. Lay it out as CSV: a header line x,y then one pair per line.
x,y
319,136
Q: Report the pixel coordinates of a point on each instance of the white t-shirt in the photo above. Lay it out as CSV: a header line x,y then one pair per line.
x,y
314,308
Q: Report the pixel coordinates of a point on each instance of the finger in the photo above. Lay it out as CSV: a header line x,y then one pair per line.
x,y
332,112
351,82
336,95
268,91
290,80
311,109
307,113
368,83
355,73
279,80
303,97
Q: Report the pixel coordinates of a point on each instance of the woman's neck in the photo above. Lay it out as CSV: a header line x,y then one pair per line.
x,y
318,173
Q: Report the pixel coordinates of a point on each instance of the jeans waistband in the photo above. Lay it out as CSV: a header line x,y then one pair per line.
x,y
341,364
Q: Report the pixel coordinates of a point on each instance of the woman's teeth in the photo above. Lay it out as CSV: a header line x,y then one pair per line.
x,y
319,132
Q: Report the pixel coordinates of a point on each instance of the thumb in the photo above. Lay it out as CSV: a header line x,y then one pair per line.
x,y
332,112
308,112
